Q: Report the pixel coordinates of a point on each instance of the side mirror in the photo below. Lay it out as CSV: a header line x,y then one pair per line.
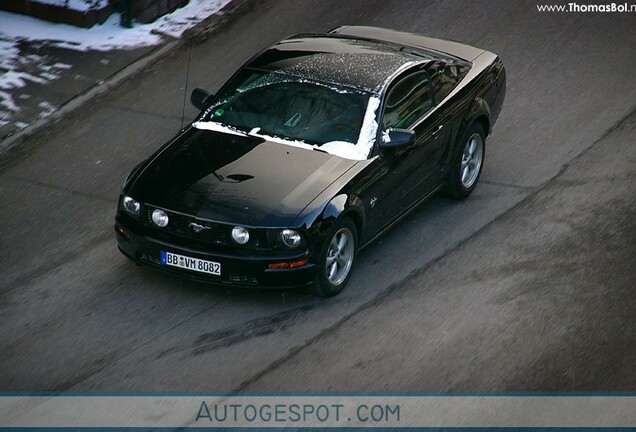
x,y
200,98
397,138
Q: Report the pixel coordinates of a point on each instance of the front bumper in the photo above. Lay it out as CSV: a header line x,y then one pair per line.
x,y
247,268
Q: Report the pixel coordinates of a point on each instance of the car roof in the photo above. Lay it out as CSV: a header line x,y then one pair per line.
x,y
348,61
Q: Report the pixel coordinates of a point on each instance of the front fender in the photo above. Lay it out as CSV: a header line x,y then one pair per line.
x,y
334,208
318,222
328,213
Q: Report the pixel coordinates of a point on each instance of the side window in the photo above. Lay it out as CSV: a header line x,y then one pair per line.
x,y
407,101
445,77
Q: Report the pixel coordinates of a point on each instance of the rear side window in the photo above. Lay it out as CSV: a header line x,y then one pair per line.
x,y
407,101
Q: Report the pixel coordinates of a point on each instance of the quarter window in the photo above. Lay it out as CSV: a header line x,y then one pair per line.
x,y
445,77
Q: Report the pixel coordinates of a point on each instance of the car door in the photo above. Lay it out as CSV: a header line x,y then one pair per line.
x,y
432,136
444,118
409,104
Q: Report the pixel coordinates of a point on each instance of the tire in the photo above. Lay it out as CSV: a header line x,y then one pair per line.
x,y
467,166
332,274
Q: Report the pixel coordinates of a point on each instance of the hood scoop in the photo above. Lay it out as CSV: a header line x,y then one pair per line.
x,y
237,178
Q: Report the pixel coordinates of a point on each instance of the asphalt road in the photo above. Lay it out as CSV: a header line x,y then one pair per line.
x,y
527,285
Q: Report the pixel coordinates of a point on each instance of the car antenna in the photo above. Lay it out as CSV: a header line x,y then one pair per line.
x,y
185,90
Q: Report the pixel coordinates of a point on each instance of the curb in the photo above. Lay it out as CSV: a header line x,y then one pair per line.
x,y
209,25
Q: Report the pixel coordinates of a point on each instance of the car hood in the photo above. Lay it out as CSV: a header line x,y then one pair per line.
x,y
235,178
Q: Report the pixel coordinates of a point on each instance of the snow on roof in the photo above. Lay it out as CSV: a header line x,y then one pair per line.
x,y
351,62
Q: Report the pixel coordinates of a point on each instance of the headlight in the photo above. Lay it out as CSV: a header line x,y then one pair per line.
x,y
290,237
240,235
160,218
130,205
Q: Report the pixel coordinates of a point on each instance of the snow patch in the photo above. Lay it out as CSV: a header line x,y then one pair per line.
x,y
16,69
12,79
8,53
109,35
386,137
187,17
47,109
217,127
369,129
6,101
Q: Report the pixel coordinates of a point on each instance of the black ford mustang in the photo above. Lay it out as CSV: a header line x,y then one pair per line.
x,y
311,150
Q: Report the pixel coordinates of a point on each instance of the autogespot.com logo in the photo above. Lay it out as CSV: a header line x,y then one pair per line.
x,y
308,414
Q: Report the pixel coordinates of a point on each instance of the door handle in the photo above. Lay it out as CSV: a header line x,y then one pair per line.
x,y
439,128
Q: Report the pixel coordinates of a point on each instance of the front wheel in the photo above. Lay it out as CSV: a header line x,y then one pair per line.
x,y
468,164
336,259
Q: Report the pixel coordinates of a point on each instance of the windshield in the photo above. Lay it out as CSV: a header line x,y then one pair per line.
x,y
273,104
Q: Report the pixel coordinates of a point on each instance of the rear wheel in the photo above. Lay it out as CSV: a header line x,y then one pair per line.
x,y
466,169
336,259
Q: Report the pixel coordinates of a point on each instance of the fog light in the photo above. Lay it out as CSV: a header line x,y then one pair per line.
x,y
160,218
240,235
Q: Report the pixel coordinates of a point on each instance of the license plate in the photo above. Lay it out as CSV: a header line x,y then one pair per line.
x,y
189,263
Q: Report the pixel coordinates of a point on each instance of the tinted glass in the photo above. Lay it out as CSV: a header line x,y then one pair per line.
x,y
445,77
408,100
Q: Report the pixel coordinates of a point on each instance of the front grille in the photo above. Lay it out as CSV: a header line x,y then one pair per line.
x,y
204,231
